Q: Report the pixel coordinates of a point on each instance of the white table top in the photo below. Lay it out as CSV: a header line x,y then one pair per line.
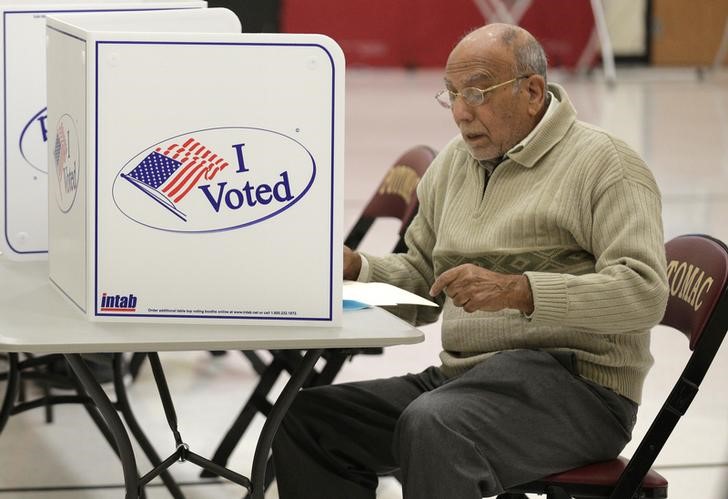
x,y
35,317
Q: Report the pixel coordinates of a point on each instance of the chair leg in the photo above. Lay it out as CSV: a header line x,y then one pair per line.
x,y
256,361
334,362
135,364
48,406
245,417
11,390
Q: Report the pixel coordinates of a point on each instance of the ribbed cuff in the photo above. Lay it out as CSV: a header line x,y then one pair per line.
x,y
550,304
364,271
376,271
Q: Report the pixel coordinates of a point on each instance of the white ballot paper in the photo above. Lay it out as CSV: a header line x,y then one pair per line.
x,y
381,294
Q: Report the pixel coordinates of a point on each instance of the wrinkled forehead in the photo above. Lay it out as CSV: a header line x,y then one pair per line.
x,y
470,64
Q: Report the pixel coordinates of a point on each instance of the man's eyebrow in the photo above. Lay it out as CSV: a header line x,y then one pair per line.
x,y
472,80
478,78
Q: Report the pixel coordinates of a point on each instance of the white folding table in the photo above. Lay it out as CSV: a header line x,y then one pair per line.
x,y
36,318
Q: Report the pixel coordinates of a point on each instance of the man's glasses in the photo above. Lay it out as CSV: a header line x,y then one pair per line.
x,y
471,95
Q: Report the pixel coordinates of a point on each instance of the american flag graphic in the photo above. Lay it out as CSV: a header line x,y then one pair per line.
x,y
170,172
60,150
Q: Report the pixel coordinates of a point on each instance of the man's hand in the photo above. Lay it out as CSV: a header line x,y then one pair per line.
x,y
475,288
352,264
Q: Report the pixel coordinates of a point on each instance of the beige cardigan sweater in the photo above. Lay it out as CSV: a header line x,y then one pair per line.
x,y
579,213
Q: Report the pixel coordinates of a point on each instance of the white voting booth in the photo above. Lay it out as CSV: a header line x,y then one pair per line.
x,y
195,172
24,177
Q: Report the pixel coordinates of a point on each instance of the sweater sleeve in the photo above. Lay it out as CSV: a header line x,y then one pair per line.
x,y
628,289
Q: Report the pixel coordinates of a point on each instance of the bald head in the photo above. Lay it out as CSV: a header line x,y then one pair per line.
x,y
510,44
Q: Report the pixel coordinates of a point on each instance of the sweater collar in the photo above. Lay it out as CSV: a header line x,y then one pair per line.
x,y
549,131
553,103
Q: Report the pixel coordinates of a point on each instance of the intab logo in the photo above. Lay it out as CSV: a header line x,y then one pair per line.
x,y
66,158
214,179
118,303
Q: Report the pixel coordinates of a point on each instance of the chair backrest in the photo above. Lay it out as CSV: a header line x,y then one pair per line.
x,y
697,272
395,197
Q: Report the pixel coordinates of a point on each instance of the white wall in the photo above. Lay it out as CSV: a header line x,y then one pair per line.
x,y
626,23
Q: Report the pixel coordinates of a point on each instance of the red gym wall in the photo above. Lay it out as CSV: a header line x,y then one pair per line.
x,y
420,33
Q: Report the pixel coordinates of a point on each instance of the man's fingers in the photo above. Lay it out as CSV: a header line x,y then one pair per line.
x,y
443,281
459,300
450,278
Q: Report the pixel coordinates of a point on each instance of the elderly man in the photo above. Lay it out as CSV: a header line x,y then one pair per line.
x,y
541,238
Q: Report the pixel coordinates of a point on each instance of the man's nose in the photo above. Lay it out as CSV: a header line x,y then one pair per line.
x,y
461,111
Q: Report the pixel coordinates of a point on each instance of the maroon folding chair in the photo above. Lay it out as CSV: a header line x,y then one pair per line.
x,y
395,197
697,273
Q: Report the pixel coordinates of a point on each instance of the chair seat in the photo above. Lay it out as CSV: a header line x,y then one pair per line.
x,y
604,473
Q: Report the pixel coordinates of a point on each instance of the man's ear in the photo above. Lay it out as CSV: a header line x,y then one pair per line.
x,y
536,88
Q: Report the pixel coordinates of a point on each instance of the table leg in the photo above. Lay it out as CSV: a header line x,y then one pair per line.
x,y
256,403
123,405
273,421
182,452
113,421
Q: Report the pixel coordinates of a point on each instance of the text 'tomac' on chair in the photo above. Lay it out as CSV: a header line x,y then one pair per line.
x,y
395,197
697,273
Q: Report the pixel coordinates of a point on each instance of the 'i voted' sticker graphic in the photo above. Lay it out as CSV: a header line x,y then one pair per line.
x,y
66,159
214,179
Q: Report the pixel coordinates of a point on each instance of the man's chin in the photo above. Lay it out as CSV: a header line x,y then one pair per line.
x,y
481,153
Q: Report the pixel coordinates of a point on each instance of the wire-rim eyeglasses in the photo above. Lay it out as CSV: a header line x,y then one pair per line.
x,y
472,96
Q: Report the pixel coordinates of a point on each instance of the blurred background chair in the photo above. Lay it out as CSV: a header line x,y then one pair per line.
x,y
698,307
395,197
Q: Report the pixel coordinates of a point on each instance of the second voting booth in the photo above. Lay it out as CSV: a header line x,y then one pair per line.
x,y
24,125
195,173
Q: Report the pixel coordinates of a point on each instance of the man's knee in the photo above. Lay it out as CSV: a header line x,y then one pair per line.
x,y
426,418
295,423
295,427
306,402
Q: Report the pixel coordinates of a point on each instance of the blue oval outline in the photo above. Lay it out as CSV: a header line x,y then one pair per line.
x,y
22,134
207,231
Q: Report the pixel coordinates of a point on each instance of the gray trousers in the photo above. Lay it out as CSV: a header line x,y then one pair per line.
x,y
515,417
